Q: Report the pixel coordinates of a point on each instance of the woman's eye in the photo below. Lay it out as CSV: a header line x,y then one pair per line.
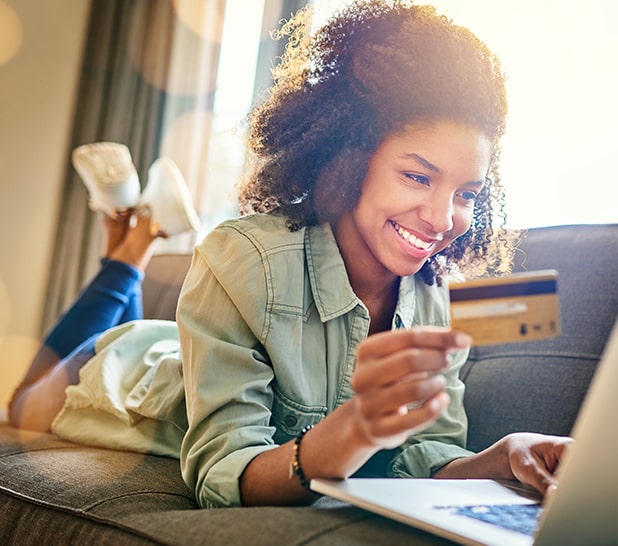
x,y
418,178
468,195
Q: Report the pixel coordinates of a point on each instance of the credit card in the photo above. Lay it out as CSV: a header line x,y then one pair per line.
x,y
520,307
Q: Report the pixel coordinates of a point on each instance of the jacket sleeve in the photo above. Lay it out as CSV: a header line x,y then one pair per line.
x,y
227,374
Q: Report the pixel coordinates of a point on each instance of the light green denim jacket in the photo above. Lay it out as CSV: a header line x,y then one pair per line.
x,y
268,326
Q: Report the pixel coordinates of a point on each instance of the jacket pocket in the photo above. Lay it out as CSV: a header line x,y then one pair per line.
x,y
290,417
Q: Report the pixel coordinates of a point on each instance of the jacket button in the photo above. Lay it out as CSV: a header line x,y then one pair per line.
x,y
291,420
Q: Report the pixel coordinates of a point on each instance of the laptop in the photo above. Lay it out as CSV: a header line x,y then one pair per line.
x,y
582,510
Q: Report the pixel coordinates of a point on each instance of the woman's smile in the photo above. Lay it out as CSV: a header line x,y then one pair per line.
x,y
413,241
417,197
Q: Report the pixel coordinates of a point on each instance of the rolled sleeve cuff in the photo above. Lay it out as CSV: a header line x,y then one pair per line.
x,y
219,489
423,460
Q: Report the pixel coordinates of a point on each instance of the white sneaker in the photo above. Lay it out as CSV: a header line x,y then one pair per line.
x,y
109,174
168,198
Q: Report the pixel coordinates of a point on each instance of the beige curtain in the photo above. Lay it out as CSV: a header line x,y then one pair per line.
x,y
146,62
148,81
275,11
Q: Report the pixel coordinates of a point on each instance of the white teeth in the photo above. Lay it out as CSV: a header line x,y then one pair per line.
x,y
412,239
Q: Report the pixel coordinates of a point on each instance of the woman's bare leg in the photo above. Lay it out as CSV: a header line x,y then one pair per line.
x,y
35,405
136,247
41,394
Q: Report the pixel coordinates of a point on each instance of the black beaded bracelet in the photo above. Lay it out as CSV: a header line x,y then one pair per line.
x,y
295,467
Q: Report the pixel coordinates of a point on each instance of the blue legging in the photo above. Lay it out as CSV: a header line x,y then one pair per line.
x,y
113,297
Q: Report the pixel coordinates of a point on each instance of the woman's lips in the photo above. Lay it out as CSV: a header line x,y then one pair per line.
x,y
412,239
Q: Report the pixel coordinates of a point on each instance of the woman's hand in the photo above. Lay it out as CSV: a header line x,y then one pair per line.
x,y
399,390
531,458
398,382
534,458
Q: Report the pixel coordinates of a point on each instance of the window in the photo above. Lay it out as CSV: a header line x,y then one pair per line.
x,y
203,129
562,87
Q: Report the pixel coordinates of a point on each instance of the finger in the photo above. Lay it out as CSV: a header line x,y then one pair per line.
x,y
542,481
391,430
561,450
549,463
405,393
409,363
385,343
533,471
553,452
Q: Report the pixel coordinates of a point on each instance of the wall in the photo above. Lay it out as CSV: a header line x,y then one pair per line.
x,y
38,86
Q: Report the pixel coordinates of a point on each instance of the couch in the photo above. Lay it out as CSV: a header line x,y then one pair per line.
x,y
56,492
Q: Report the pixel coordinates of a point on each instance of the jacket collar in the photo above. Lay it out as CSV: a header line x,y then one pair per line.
x,y
406,303
332,292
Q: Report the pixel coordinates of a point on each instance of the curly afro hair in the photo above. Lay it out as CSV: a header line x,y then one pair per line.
x,y
375,67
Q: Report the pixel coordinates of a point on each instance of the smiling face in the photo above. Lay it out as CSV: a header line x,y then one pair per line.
x,y
417,197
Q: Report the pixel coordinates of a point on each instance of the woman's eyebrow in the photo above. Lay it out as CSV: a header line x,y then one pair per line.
x,y
424,162
429,165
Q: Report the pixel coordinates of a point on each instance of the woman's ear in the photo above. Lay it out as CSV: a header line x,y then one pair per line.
x,y
339,185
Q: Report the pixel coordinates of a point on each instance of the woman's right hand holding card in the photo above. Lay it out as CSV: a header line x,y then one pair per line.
x,y
399,384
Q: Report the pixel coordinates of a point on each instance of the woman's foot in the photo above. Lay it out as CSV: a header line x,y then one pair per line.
x,y
136,246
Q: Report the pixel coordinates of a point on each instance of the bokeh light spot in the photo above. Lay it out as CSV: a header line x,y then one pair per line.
x,y
204,18
11,33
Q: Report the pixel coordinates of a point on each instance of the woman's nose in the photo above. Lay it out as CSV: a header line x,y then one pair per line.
x,y
438,213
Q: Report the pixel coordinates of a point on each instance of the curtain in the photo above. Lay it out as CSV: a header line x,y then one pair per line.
x,y
270,50
145,63
148,81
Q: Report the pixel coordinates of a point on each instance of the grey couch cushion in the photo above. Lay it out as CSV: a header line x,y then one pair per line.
x,y
54,488
54,492
538,386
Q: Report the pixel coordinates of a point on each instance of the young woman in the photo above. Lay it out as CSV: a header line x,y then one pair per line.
x,y
314,330
314,335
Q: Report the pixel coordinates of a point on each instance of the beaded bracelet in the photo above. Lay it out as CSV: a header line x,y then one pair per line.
x,y
295,467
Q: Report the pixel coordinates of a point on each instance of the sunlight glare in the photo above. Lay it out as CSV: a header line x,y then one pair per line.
x,y
562,84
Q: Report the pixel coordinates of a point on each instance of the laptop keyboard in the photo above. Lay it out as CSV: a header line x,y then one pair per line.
x,y
522,518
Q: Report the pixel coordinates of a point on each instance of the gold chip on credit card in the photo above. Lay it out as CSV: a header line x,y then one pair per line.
x,y
520,307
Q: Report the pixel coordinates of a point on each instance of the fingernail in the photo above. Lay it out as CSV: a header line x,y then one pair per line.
x,y
435,405
439,403
463,340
